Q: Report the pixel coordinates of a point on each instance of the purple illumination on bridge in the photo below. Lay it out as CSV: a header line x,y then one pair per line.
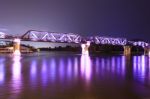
x,y
139,43
109,40
52,36
34,35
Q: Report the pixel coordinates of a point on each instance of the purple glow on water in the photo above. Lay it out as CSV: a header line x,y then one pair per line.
x,y
102,63
53,69
118,65
143,65
16,75
16,69
2,70
86,69
113,64
149,67
139,67
149,62
123,61
44,73
69,68
97,65
136,62
61,75
75,66
108,64
102,66
2,73
44,66
135,67
61,69
33,69
33,72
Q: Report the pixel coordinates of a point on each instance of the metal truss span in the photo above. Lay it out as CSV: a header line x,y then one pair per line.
x,y
139,43
51,36
34,35
2,35
109,40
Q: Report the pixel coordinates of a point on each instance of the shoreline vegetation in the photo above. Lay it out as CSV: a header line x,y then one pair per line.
x,y
97,49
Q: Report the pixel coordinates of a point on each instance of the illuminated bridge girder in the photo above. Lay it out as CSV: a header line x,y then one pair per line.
x,y
108,40
2,35
51,37
139,43
34,35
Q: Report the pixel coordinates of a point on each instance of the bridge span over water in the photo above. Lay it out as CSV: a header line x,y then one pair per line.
x,y
39,39
55,37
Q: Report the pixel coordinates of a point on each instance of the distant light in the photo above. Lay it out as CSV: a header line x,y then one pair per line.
x,y
17,40
135,43
146,44
88,43
84,49
16,52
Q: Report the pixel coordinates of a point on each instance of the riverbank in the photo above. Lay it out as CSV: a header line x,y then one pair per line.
x,y
23,49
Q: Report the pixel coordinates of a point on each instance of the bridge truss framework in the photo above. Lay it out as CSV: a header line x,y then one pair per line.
x,y
51,37
34,35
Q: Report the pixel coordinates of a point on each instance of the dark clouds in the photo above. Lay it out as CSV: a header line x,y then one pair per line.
x,y
118,18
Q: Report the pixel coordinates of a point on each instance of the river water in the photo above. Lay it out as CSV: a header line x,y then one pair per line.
x,y
62,75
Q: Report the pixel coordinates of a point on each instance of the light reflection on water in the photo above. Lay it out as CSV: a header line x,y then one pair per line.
x,y
2,73
75,67
16,82
33,69
2,70
86,68
141,68
53,67
69,73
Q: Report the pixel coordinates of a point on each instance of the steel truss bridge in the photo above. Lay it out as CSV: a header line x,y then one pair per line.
x,y
34,35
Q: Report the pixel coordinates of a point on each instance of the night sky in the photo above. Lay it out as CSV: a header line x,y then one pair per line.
x,y
116,18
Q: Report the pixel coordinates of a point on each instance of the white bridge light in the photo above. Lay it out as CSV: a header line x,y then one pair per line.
x,y
85,48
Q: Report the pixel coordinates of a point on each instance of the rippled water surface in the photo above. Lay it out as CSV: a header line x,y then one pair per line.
x,y
59,75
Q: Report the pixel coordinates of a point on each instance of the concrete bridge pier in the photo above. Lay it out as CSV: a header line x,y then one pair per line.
x,y
85,48
147,51
16,46
127,50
